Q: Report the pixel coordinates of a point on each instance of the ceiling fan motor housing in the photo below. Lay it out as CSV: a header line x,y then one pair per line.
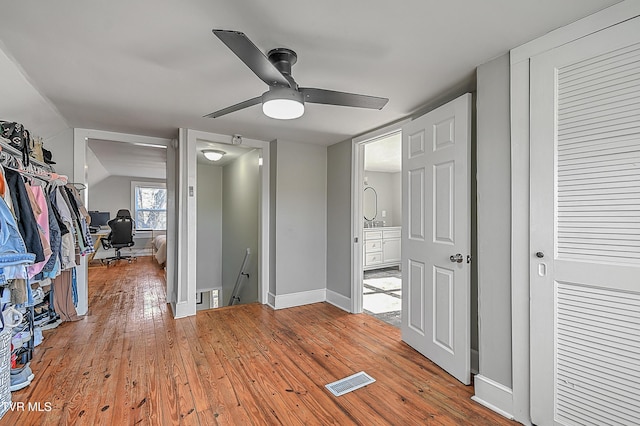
x,y
283,59
282,93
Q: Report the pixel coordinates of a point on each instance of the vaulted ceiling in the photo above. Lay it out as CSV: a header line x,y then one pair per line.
x,y
150,67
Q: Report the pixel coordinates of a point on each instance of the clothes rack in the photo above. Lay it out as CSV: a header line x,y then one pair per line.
x,y
6,146
49,215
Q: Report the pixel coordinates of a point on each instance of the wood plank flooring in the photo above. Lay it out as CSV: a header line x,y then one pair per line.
x,y
129,362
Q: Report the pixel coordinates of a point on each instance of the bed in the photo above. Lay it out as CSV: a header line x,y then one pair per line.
x,y
160,248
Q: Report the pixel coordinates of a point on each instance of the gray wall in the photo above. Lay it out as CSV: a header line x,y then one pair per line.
x,y
209,223
240,218
494,220
21,102
387,186
300,217
114,193
61,147
339,218
396,182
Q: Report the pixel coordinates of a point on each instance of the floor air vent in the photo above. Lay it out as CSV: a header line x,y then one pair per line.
x,y
350,383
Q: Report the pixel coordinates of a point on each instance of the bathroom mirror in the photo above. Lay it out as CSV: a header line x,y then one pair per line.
x,y
370,203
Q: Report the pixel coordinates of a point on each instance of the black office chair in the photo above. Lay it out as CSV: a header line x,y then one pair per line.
x,y
121,236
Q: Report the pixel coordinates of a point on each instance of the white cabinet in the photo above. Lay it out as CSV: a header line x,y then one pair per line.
x,y
391,251
382,247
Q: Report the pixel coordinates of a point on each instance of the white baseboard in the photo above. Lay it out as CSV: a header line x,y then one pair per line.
x,y
494,396
283,301
475,361
336,299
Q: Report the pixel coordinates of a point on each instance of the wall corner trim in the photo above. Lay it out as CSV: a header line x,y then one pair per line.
x,y
338,300
183,309
494,396
271,300
283,301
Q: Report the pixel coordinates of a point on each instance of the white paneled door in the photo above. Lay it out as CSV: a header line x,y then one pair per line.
x,y
436,236
585,230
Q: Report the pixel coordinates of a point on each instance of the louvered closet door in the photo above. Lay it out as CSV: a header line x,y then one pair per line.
x,y
585,230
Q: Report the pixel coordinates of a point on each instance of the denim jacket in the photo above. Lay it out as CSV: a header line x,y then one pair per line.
x,y
13,252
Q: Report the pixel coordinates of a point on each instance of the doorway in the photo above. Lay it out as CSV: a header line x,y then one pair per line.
x,y
376,168
437,195
187,230
85,160
227,219
382,215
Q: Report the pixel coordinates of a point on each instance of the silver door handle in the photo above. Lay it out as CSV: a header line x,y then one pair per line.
x,y
456,258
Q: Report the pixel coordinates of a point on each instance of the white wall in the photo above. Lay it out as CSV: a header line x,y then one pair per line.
x,y
240,219
387,187
494,220
209,223
300,223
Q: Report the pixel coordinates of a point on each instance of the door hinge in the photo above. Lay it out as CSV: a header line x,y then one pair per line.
x,y
468,258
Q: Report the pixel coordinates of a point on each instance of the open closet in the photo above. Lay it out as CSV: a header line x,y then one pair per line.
x,y
43,232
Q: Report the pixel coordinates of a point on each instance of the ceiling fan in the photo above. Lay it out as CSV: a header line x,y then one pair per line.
x,y
284,99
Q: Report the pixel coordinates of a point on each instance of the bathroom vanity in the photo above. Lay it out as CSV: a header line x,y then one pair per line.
x,y
382,247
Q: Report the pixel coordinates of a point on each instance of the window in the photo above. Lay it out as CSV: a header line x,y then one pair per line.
x,y
149,205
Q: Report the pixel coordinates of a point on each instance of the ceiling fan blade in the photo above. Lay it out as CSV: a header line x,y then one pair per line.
x,y
330,97
236,107
249,53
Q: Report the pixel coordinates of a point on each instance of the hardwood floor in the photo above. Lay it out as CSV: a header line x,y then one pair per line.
x,y
129,362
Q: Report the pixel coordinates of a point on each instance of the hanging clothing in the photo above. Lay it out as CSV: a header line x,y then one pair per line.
x,y
13,252
63,297
67,250
75,215
24,216
52,266
41,213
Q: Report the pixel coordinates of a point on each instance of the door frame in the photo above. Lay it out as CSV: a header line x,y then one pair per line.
x,y
80,143
357,225
520,184
189,255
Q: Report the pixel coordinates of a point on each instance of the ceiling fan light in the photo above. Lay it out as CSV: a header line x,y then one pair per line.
x,y
213,154
282,104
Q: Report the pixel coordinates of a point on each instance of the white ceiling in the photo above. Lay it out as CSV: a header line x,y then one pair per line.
x,y
232,152
384,155
150,67
111,158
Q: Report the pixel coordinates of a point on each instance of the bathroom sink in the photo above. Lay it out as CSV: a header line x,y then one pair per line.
x,y
374,224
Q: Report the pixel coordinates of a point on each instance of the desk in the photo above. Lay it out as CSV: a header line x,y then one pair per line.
x,y
97,237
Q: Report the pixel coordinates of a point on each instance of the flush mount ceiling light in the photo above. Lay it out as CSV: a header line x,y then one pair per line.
x,y
285,99
213,154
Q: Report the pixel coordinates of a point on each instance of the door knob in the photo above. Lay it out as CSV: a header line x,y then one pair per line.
x,y
456,258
